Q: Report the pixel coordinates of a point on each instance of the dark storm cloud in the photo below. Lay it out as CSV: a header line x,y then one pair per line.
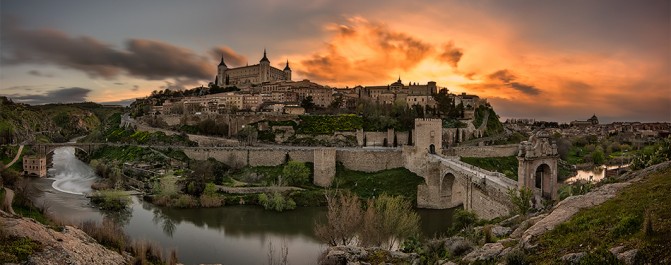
x,y
231,58
180,84
142,58
504,76
451,54
62,95
507,77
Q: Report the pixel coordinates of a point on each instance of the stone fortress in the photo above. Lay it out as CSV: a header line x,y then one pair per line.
x,y
251,74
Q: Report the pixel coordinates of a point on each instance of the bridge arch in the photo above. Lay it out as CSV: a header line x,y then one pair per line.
x,y
50,150
543,180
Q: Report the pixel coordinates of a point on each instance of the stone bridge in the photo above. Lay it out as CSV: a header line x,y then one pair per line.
x,y
450,182
45,149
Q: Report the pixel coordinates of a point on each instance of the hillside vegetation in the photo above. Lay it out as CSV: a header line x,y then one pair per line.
x,y
638,218
50,123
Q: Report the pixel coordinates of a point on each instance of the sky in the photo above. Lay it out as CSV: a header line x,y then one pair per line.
x,y
547,60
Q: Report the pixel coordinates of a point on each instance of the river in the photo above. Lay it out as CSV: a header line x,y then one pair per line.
x,y
593,175
226,235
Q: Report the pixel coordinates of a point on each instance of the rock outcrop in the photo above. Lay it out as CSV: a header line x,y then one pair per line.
x,y
341,255
69,246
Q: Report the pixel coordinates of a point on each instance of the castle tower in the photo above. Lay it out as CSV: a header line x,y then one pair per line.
x,y
221,72
264,68
287,72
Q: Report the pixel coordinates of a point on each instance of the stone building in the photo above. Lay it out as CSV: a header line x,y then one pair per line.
x,y
411,94
591,121
250,74
35,165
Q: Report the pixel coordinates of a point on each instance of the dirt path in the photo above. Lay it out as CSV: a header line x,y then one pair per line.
x,y
16,158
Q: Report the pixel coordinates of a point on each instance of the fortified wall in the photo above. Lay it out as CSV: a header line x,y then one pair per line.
x,y
324,159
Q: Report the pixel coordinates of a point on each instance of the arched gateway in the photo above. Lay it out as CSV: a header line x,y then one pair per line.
x,y
537,169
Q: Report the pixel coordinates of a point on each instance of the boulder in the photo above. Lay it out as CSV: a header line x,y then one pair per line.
x,y
501,231
573,258
489,251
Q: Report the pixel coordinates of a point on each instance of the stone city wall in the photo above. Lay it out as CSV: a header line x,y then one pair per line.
x,y
240,157
375,138
370,160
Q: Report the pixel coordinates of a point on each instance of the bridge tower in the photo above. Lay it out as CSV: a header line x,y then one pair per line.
x,y
537,169
428,135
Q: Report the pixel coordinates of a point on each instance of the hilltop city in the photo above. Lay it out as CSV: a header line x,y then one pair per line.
x,y
259,140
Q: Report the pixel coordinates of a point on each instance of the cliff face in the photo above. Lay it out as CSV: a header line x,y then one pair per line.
x,y
71,246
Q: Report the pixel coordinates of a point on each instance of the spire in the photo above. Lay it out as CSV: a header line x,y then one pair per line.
x,y
287,67
222,61
264,59
399,78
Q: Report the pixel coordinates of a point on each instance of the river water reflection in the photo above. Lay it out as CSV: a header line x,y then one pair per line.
x,y
227,235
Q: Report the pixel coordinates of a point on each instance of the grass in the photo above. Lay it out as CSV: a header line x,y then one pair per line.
x,y
393,182
639,217
506,164
17,249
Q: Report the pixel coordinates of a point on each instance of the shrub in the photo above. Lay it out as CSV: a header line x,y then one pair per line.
x,y
296,172
276,202
517,257
389,220
462,219
521,199
343,219
186,201
111,200
211,201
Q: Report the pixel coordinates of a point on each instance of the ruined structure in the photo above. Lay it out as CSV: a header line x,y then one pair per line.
x,y
537,169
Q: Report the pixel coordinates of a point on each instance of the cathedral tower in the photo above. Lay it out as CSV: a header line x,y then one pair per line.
x,y
264,68
221,72
287,72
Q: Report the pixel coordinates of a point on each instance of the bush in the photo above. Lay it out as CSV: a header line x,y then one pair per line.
x,y
521,199
211,201
276,202
462,219
296,172
186,201
111,200
389,220
343,219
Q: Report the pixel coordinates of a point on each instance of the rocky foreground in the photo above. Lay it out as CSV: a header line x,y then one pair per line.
x,y
516,234
69,246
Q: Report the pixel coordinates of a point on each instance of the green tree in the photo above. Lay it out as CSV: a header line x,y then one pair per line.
x,y
521,199
296,172
308,103
598,156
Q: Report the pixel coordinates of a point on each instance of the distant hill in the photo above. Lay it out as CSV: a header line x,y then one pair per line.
x,y
50,123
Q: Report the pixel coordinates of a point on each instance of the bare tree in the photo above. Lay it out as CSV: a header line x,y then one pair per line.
x,y
343,219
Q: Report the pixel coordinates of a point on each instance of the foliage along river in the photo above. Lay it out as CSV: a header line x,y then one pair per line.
x,y
226,235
